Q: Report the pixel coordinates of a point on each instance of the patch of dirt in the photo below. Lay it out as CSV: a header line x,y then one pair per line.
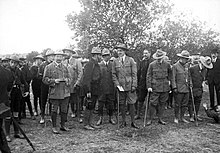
x,y
156,138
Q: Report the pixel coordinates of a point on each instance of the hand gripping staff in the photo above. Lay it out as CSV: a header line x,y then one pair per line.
x,y
146,108
194,108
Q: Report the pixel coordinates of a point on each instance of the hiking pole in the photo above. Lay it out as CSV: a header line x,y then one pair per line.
x,y
194,108
146,107
22,132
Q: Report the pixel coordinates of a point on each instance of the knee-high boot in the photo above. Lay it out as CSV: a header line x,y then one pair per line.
x,y
7,126
54,119
16,130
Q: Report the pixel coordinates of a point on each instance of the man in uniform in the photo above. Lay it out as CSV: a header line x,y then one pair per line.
x,y
27,76
141,77
91,85
56,76
16,96
36,81
75,70
44,88
158,84
124,75
198,73
181,82
107,96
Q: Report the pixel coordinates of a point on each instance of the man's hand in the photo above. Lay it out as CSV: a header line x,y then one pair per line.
x,y
88,95
150,90
25,94
57,80
133,89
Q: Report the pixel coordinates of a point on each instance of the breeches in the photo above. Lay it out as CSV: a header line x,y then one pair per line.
x,y
16,98
61,103
108,101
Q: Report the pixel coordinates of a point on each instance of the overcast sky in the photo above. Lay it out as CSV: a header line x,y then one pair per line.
x,y
27,25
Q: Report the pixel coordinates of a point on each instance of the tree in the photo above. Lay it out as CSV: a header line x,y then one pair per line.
x,y
107,22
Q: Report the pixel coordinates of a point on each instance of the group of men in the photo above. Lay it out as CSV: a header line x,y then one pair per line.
x,y
116,83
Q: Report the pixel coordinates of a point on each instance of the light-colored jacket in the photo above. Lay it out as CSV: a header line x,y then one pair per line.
x,y
75,71
57,90
159,76
181,79
125,74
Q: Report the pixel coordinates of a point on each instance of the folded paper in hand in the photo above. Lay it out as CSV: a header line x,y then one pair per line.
x,y
120,88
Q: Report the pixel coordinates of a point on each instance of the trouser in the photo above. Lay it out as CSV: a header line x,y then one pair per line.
x,y
197,102
44,96
170,99
8,122
88,113
181,104
23,106
36,98
129,98
62,104
4,148
108,101
75,104
157,103
142,93
213,114
213,86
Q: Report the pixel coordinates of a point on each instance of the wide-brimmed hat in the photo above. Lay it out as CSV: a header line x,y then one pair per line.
x,y
105,51
59,52
38,57
49,52
184,54
206,61
5,59
121,46
96,50
14,58
22,59
69,50
159,54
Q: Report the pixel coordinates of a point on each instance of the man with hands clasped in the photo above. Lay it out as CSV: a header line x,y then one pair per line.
x,y
57,77
158,84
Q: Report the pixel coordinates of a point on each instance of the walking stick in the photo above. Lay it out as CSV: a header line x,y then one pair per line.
x,y
22,132
194,108
146,108
118,107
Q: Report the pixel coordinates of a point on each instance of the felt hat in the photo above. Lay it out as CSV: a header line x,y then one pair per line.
x,y
38,57
96,50
121,46
206,61
68,50
59,52
105,51
184,54
49,52
14,58
159,54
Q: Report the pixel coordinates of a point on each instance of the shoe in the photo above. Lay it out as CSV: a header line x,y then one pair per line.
x,y
169,107
123,124
149,123
162,122
134,126
88,127
205,106
99,121
184,120
176,121
18,136
137,117
165,107
199,119
63,128
35,114
42,121
33,117
55,131
191,119
112,121
73,115
80,120
8,138
95,127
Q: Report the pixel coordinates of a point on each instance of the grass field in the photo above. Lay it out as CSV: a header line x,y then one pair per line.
x,y
170,138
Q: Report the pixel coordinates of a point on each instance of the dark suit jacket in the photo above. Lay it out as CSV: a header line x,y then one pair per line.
x,y
142,73
213,74
197,76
